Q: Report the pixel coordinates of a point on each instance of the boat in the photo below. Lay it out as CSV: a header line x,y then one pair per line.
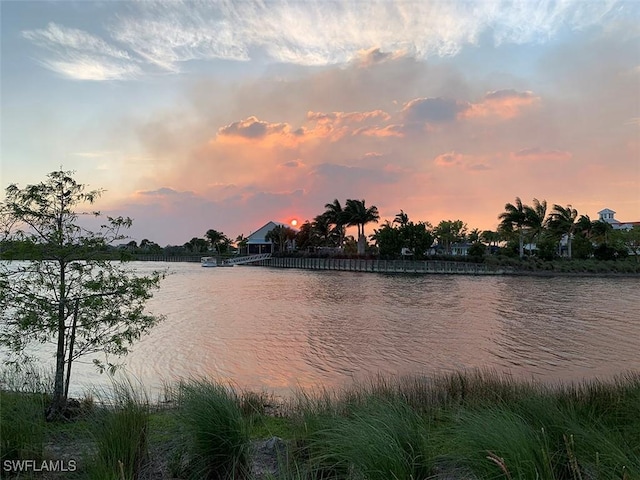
x,y
208,262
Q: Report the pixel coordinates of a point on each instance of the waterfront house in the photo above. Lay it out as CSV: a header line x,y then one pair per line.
x,y
608,215
257,243
460,248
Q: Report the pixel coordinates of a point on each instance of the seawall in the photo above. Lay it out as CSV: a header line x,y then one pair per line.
x,y
381,266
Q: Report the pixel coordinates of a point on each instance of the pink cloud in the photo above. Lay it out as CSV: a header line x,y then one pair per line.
x,y
251,127
539,154
468,162
448,159
336,125
292,164
507,103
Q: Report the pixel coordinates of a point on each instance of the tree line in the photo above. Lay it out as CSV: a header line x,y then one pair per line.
x,y
523,230
562,231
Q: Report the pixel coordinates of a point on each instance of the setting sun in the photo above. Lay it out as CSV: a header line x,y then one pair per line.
x,y
294,222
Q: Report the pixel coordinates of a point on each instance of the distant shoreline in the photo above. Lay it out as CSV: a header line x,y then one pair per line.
x,y
491,267
424,267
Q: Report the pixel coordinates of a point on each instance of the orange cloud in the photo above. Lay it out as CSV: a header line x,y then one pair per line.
x,y
336,125
253,130
347,117
330,126
388,131
501,103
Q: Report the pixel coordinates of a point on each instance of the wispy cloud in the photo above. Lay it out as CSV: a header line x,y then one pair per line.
x,y
55,37
540,154
80,55
165,35
467,162
347,117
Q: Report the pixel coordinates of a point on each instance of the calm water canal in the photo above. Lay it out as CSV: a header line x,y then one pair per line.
x,y
278,329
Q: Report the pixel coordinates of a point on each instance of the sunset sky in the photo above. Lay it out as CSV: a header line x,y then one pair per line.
x,y
225,115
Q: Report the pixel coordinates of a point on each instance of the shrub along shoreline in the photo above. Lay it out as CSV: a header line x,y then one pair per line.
x,y
472,425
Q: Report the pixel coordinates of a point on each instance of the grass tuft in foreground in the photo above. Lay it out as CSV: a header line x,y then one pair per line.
x,y
24,393
469,425
22,426
216,434
120,431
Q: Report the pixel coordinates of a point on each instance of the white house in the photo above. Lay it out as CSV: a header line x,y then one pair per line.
x,y
608,216
257,243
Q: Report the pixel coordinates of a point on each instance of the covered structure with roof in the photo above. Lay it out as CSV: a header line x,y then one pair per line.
x,y
257,242
609,216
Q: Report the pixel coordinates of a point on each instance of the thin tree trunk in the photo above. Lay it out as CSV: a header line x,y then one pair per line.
x,y
72,341
521,243
58,401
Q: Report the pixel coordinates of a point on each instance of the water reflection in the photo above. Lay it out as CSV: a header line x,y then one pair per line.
x,y
279,329
563,327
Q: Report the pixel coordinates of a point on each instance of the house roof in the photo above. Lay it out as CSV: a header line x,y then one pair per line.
x,y
606,210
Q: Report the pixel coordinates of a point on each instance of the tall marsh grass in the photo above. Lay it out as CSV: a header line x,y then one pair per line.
x,y
378,441
216,434
23,397
22,426
470,425
120,430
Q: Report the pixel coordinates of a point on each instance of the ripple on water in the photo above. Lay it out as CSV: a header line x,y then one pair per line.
x,y
283,328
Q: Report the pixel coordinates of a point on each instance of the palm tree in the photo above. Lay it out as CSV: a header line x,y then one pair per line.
x,y
196,245
280,235
321,230
600,231
563,221
241,243
584,225
490,237
216,239
535,219
359,215
450,231
514,216
305,237
474,236
337,217
401,218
